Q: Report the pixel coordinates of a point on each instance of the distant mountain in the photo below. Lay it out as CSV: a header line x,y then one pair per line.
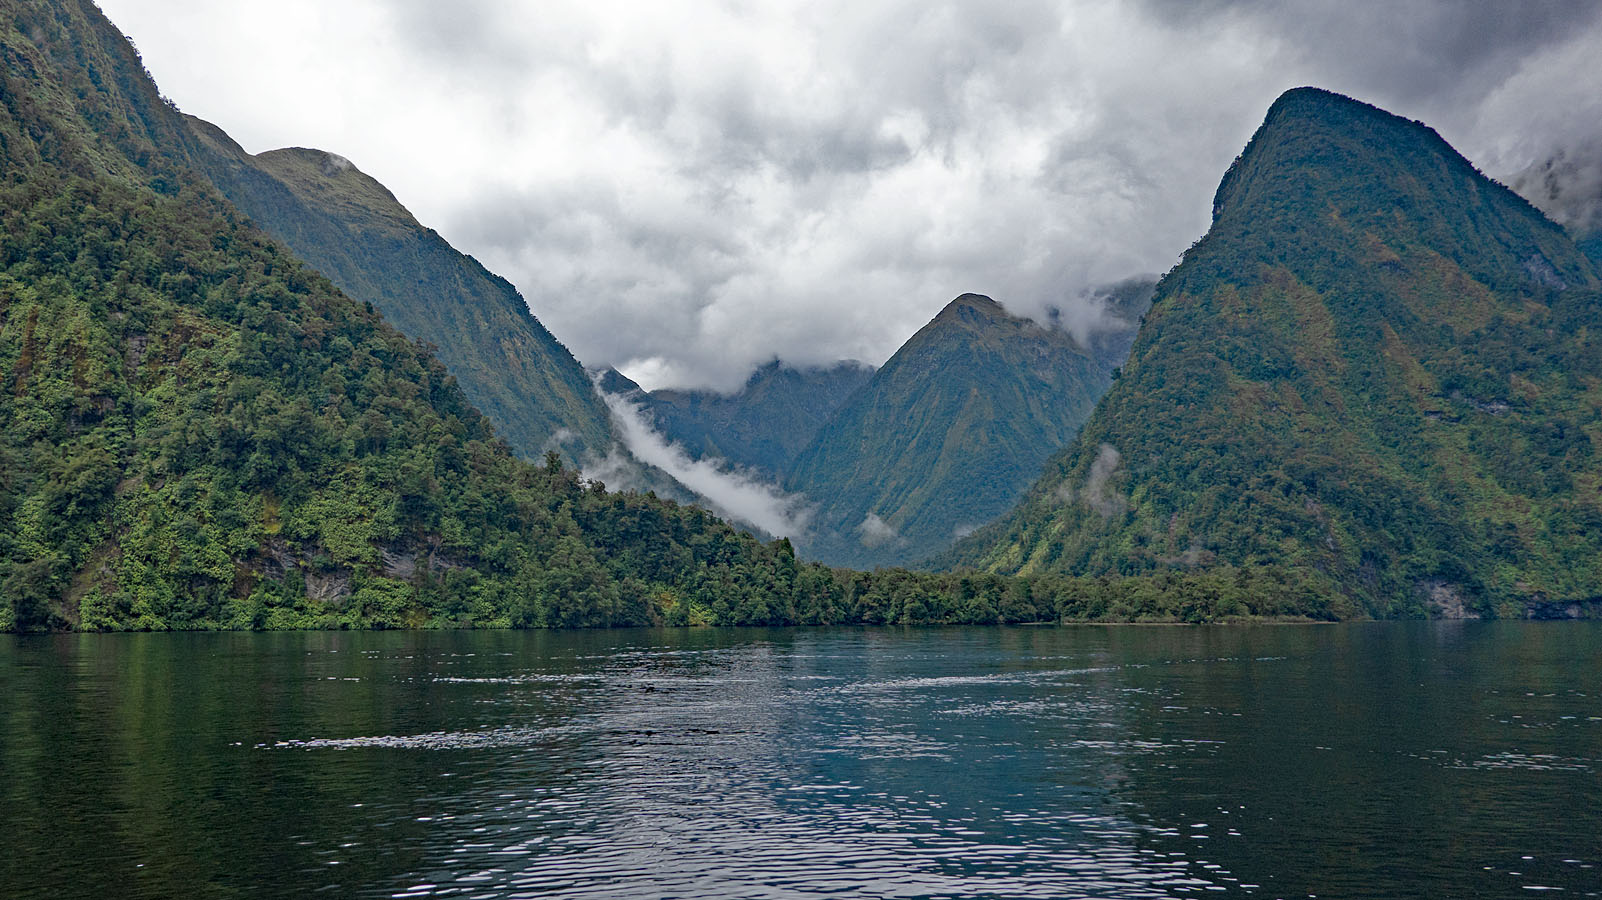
x,y
763,425
1116,312
1376,375
1568,187
948,433
353,230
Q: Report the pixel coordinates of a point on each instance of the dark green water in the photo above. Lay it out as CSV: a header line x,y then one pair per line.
x,y
1364,761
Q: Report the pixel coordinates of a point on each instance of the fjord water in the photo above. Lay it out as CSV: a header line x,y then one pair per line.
x,y
1373,760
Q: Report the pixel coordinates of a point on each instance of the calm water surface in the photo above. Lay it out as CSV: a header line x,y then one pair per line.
x,y
1363,761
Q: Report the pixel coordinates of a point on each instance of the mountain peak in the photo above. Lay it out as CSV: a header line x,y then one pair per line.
x,y
332,165
1348,376
974,301
971,310
1312,139
612,381
1323,164
944,435
1308,99
354,230
334,183
764,424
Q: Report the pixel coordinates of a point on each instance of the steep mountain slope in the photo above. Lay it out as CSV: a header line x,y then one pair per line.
x,y
1378,373
197,430
353,230
946,434
764,424
1568,188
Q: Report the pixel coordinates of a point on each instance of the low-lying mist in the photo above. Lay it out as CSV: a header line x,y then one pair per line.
x,y
732,493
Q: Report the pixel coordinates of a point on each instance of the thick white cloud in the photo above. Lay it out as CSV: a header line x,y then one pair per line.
x,y
688,189
729,492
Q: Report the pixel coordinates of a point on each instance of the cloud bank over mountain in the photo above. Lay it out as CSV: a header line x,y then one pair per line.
x,y
686,190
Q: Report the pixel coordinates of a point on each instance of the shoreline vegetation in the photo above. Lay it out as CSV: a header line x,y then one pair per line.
x,y
824,598
1228,622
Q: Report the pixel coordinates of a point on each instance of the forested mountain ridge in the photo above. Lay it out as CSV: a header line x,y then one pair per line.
x,y
1377,374
353,230
197,430
762,426
949,431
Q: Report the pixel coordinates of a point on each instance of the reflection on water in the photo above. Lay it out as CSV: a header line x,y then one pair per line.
x,y
1358,761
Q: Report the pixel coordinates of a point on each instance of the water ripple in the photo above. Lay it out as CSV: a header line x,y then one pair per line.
x,y
718,775
750,771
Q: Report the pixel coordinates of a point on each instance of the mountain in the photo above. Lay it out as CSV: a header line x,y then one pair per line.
x,y
1377,375
1567,186
199,430
763,425
354,231
950,431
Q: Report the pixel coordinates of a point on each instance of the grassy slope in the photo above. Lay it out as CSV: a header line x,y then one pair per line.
x,y
1378,372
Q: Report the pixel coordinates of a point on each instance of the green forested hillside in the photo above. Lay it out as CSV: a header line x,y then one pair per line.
x,y
198,430
352,229
763,425
946,434
1379,374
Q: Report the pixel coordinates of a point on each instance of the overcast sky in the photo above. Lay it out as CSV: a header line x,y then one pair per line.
x,y
688,189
